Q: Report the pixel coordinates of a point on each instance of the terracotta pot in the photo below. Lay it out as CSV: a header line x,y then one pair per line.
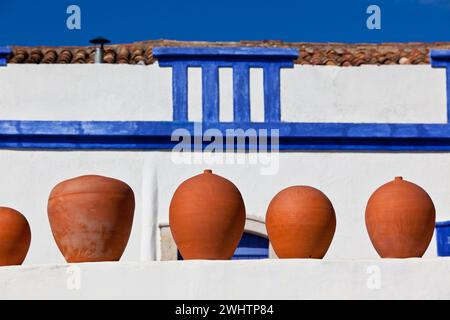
x,y
15,237
400,218
91,218
300,222
207,217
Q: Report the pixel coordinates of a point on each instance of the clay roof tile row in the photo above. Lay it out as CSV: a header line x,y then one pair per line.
x,y
334,54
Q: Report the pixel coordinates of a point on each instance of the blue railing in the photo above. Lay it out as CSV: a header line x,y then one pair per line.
x,y
240,59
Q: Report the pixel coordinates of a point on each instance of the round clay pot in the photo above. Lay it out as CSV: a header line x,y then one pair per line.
x,y
15,237
400,218
207,217
91,218
300,222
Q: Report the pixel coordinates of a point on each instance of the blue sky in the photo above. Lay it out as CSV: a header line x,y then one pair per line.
x,y
44,22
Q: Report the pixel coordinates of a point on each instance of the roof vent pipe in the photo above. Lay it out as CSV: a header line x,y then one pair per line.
x,y
99,42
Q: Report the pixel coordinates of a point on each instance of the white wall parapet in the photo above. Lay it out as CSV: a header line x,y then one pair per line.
x,y
256,279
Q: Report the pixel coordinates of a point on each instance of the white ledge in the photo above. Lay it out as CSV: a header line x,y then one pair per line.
x,y
257,279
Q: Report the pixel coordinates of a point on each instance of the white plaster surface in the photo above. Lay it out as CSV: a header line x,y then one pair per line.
x,y
124,92
385,94
195,112
256,95
257,279
226,94
318,94
348,179
403,94
85,92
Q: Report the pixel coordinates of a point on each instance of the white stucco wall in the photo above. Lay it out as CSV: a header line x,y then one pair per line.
x,y
384,94
126,92
89,92
348,179
403,94
263,279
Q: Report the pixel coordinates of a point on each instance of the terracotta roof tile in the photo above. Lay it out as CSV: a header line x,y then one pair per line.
x,y
339,54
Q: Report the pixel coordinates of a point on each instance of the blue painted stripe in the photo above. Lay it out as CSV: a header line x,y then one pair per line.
x,y
286,129
210,93
179,92
272,111
157,135
254,52
63,143
241,93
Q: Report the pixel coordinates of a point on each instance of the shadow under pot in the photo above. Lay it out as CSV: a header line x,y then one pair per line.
x,y
300,222
15,237
91,218
207,217
400,219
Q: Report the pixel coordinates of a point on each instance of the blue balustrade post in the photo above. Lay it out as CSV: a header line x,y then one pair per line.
x,y
241,92
4,53
210,92
179,92
240,59
272,107
441,59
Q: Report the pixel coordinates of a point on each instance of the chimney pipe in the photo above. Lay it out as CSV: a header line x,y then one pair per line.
x,y
99,43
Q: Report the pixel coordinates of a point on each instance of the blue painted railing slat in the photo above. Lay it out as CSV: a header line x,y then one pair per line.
x,y
210,92
272,109
179,92
241,90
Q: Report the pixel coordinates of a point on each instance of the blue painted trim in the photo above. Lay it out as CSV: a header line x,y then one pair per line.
x,y
157,135
253,52
441,59
241,90
4,53
165,128
229,63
